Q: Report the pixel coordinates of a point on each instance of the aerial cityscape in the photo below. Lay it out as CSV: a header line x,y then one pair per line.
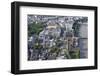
x,y
57,37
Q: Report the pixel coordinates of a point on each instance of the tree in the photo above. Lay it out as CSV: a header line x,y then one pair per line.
x,y
35,28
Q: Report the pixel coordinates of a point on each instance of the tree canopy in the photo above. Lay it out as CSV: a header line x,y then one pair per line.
x,y
35,28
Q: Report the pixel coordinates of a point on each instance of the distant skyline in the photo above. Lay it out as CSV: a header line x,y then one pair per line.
x,y
52,17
